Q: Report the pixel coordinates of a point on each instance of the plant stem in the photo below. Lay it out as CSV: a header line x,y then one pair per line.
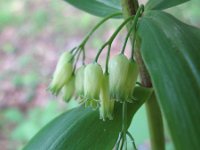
x,y
97,26
132,29
99,52
81,47
124,117
119,28
132,140
76,61
124,124
118,141
144,75
153,119
155,126
129,7
107,58
109,42
83,58
154,115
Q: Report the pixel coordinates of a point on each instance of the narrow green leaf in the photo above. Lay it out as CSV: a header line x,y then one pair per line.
x,y
97,7
163,4
171,52
113,3
81,128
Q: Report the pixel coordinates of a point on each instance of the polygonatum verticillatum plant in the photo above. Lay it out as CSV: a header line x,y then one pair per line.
x,y
162,71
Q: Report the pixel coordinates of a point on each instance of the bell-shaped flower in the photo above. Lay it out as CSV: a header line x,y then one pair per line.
x,y
106,104
93,75
68,89
79,81
118,70
63,73
132,75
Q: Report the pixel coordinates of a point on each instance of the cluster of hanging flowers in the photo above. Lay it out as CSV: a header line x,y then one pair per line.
x,y
101,87
94,87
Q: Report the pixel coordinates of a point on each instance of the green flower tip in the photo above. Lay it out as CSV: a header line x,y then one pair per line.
x,y
54,89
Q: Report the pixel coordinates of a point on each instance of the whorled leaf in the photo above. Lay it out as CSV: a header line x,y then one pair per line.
x,y
99,8
81,128
113,3
171,53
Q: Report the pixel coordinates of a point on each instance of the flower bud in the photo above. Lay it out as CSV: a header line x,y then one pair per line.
x,y
62,73
131,78
79,81
93,75
106,104
118,70
68,89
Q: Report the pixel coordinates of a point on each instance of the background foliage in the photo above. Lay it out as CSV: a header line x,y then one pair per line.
x,y
32,35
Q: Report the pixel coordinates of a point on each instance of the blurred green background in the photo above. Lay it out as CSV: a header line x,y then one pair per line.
x,y
33,33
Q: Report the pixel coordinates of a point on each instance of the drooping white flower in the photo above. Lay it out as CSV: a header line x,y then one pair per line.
x,y
63,73
79,81
106,104
93,75
118,70
68,89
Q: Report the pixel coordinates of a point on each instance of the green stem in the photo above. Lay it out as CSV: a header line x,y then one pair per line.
x,y
124,124
133,29
107,58
132,140
76,61
155,124
97,26
138,13
119,28
129,7
118,141
109,42
124,117
154,116
99,52
73,49
83,57
146,82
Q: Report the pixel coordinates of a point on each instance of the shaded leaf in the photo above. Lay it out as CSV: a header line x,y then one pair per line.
x,y
81,128
113,3
96,7
171,52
